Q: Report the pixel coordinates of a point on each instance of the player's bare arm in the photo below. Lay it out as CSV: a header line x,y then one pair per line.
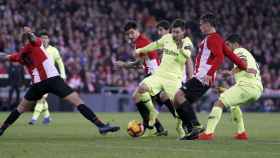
x,y
129,64
190,69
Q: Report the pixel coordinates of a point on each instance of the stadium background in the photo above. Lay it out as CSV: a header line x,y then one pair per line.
x,y
89,36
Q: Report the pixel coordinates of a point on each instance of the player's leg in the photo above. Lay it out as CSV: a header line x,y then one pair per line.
x,y
58,87
236,95
170,88
164,99
147,88
37,111
237,118
142,109
33,94
15,114
46,112
190,91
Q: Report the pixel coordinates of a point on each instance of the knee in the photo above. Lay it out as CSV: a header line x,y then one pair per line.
x,y
135,97
219,104
23,107
163,96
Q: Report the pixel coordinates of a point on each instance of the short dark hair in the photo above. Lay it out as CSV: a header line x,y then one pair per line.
x,y
43,33
164,24
130,25
210,18
234,38
179,23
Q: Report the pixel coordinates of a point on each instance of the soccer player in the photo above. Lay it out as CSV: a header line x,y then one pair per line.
x,y
150,62
210,56
46,79
176,53
248,88
42,104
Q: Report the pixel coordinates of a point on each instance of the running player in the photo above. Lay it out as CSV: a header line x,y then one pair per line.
x,y
247,89
46,79
176,53
42,104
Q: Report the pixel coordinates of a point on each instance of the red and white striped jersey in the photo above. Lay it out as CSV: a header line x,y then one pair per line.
x,y
41,66
211,55
151,61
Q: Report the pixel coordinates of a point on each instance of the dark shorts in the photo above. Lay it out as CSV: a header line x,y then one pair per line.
x,y
55,85
194,89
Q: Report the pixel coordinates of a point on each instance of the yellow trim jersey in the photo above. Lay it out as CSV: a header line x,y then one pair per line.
x,y
56,58
243,77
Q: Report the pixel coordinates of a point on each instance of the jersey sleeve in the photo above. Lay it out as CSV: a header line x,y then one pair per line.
x,y
14,57
59,62
234,58
216,47
187,47
152,46
37,42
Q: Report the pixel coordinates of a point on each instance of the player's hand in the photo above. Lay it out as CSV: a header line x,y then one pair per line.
x,y
251,71
137,53
27,29
220,89
207,80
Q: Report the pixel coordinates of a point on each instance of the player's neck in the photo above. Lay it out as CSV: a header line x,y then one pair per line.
x,y
211,31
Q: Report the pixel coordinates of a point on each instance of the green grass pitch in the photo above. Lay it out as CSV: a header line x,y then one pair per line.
x,y
71,136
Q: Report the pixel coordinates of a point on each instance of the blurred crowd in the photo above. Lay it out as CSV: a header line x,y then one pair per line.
x,y
89,34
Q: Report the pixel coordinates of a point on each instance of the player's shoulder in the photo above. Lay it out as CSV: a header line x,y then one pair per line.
x,y
215,39
166,37
241,50
215,36
187,40
142,37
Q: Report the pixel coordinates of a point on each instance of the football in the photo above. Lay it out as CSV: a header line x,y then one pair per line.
x,y
135,128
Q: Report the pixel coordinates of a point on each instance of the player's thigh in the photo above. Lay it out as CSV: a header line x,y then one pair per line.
x,y
35,92
192,90
39,105
25,105
153,84
171,87
237,96
74,98
59,87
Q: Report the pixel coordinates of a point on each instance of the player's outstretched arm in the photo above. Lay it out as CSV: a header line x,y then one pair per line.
x,y
189,64
129,64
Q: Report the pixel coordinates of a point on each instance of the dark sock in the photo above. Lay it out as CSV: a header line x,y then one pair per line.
x,y
189,111
156,99
144,112
188,116
170,107
14,115
89,114
159,126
